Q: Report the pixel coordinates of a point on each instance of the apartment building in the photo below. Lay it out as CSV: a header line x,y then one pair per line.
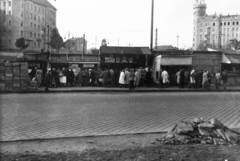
x,y
213,30
31,19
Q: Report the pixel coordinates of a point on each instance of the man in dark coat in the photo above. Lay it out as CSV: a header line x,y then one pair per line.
x,y
182,78
48,79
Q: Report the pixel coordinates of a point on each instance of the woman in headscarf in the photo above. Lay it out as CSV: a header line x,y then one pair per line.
x,y
39,77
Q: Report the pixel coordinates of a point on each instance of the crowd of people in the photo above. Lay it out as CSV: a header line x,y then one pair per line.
x,y
194,78
125,78
68,77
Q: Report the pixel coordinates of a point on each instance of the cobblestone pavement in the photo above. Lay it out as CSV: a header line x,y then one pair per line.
x,y
39,116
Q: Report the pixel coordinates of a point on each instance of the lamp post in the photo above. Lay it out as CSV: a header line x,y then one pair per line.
x,y
177,40
69,34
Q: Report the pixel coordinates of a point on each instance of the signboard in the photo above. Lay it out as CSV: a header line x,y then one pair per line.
x,y
109,60
117,60
58,59
90,59
74,58
88,65
124,60
130,60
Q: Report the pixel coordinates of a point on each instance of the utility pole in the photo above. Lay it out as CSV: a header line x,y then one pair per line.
x,y
48,39
151,41
83,45
156,39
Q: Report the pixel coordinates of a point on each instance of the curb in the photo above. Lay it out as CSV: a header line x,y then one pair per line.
x,y
119,91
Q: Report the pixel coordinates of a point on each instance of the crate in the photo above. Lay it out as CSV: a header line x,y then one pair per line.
x,y
2,77
8,64
2,68
16,84
33,85
8,68
2,89
16,88
8,78
24,88
16,71
16,64
8,88
2,84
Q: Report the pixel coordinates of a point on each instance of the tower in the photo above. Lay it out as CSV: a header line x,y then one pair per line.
x,y
199,10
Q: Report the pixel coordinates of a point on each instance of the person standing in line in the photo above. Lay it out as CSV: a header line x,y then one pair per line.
x,y
192,78
127,77
55,77
186,78
48,80
136,78
39,76
178,78
218,79
131,79
224,78
205,79
181,81
165,78
121,79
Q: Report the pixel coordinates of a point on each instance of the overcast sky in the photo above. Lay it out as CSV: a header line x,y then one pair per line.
x,y
128,22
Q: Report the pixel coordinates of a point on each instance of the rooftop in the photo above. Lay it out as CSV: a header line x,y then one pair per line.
x,y
124,50
43,3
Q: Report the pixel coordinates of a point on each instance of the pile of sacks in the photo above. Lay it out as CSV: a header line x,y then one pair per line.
x,y
201,132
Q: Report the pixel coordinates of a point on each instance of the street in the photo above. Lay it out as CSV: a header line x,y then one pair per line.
x,y
42,116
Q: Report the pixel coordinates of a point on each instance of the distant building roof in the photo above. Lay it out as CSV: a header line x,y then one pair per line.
x,y
173,52
44,3
165,47
124,50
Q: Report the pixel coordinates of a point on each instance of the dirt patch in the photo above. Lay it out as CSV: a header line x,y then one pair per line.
x,y
125,147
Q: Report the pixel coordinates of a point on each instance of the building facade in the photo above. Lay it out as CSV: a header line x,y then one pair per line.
x,y
31,19
213,31
75,45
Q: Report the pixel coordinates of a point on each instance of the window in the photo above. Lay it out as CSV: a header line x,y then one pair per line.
x,y
38,18
42,10
21,14
35,8
21,24
124,58
27,6
39,36
31,25
35,35
221,23
30,7
39,9
213,24
35,26
38,44
39,28
233,29
233,23
35,17
9,32
22,33
9,22
10,42
42,19
9,3
34,44
237,23
224,23
228,23
26,34
30,34
206,24
9,12
31,16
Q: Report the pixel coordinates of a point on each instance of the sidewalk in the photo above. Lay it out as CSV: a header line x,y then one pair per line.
x,y
138,89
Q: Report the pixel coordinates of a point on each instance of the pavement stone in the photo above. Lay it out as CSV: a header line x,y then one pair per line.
x,y
50,115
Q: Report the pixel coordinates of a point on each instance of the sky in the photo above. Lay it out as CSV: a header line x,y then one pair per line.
x,y
128,22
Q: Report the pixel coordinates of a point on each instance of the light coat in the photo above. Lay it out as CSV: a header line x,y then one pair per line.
x,y
121,78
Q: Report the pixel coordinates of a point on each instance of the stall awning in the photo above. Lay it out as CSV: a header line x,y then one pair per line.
x,y
231,58
12,56
186,60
